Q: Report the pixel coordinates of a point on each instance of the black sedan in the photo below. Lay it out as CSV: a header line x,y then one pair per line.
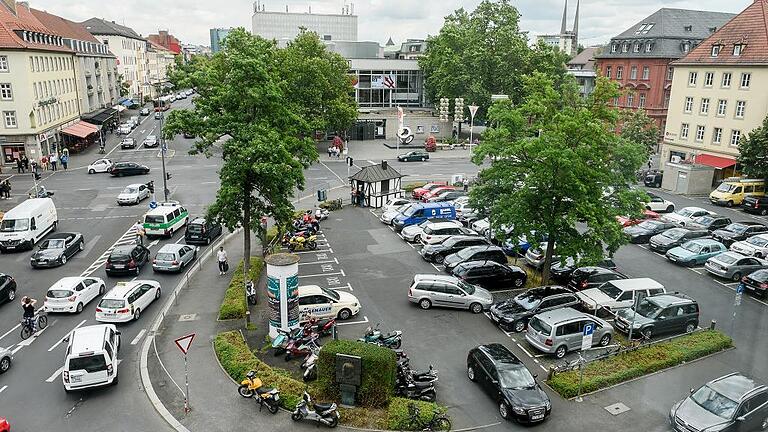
x,y
561,272
437,252
738,231
491,275
584,278
756,282
416,155
56,249
675,237
7,288
709,222
642,232
513,314
127,259
509,383
128,169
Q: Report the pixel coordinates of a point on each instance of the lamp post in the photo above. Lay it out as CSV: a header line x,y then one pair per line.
x,y
472,112
163,149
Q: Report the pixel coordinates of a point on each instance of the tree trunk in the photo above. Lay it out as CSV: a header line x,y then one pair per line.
x,y
547,260
247,248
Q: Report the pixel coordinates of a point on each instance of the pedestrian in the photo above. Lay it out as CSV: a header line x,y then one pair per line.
x,y
140,232
465,182
19,166
53,159
64,160
25,162
650,160
221,258
330,151
44,163
5,190
33,166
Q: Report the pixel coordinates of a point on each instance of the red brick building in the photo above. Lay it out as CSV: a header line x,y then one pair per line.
x,y
166,40
639,57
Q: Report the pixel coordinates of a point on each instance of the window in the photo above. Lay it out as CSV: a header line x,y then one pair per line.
x,y
740,106
648,47
717,135
737,49
692,76
666,98
10,119
646,72
709,78
613,48
607,71
699,133
648,28
684,131
670,73
5,92
704,108
616,101
722,107
619,72
636,47
688,28
686,46
715,50
630,100
735,137
688,104
726,80
3,63
624,47
641,104
633,73
745,78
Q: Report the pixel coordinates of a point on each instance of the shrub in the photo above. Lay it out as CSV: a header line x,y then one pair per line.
x,y
234,305
398,417
379,368
272,232
643,361
237,359
411,186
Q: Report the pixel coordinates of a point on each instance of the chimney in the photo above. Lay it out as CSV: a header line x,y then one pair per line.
x,y
383,164
11,5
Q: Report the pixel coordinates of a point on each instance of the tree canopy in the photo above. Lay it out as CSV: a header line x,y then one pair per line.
x,y
637,127
753,152
558,171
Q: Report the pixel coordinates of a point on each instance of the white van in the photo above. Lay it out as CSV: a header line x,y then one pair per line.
x,y
91,359
619,294
165,219
27,223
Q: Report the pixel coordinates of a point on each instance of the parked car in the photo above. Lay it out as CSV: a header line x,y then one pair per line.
x,y
560,271
435,192
509,383
126,259
491,275
150,141
709,222
128,168
739,231
99,166
733,265
201,231
474,253
665,313
411,156
133,194
653,179
7,288
394,203
756,282
659,204
437,252
389,215
535,256
481,226
642,232
414,233
674,237
174,257
695,252
437,232
559,331
316,301
686,214
418,192
127,143
519,246
618,294
755,205
733,190
732,403
756,246
466,214
428,290
56,249
513,314
584,278
626,221
71,294
420,212
447,195
144,111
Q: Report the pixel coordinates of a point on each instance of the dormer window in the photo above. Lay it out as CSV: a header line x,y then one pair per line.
x,y
614,47
688,28
738,48
648,46
685,47
636,47
624,47
715,50
712,29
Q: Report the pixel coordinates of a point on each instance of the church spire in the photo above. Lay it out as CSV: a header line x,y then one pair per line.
x,y
565,18
576,20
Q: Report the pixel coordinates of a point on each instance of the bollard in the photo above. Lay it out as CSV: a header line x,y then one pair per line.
x,y
712,325
551,373
334,335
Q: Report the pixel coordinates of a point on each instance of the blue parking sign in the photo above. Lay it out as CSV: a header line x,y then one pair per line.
x,y
153,204
740,288
589,329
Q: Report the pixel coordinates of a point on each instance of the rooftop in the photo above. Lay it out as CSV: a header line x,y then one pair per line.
x,y
376,173
19,18
100,26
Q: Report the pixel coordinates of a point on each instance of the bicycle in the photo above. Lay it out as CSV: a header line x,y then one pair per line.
x,y
438,422
39,322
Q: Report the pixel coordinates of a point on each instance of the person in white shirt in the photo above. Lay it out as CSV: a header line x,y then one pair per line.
x,y
139,233
221,257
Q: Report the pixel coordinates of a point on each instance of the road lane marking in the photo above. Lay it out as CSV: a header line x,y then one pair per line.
x,y
9,331
335,260
138,337
315,251
53,376
323,274
2,389
524,350
66,335
364,321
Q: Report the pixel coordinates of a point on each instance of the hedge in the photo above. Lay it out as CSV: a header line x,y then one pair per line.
x,y
398,416
234,305
378,375
411,186
237,359
645,360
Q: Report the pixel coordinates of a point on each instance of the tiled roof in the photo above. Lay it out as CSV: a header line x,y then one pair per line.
x,y
375,173
99,26
64,27
23,20
749,28
586,58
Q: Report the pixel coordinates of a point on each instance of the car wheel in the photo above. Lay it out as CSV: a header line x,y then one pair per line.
x,y
471,373
504,410
476,308
63,259
519,282
690,327
561,351
729,204
764,212
157,294
79,308
647,332
11,295
345,314
519,326
736,277
423,159
5,364
136,314
91,171
417,238
439,259
425,304
758,255
670,209
81,246
605,340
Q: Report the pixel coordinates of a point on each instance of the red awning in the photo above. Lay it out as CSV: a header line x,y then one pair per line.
x,y
81,129
715,161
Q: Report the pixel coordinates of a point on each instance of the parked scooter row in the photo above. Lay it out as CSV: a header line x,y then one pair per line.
x,y
414,384
391,340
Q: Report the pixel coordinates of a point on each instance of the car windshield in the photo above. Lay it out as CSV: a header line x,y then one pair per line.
x,y
528,300
516,378
610,290
737,228
402,208
131,190
758,241
165,256
727,258
648,225
674,233
94,363
111,303
53,244
726,187
429,230
14,225
648,309
685,212
467,288
692,247
704,220
331,293
58,293
714,402
154,219
410,211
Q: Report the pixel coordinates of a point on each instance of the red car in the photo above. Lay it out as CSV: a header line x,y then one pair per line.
x,y
626,221
4,425
418,192
435,192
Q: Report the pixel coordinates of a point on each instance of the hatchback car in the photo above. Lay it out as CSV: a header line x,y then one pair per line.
x,y
413,233
755,205
7,288
428,290
513,314
732,403
560,331
434,192
618,294
133,194
100,166
535,256
674,237
127,169
754,246
665,313
695,252
394,203
738,231
127,300
126,259
174,257
411,156
71,294
56,249
626,221
201,231
733,265
436,252
437,232
511,385
686,215
659,204
756,282
642,232
709,222
449,195
315,301
128,143
653,179
491,275
584,278
560,271
417,193
150,142
474,253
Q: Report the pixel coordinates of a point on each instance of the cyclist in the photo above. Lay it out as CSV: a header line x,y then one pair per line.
x,y
28,305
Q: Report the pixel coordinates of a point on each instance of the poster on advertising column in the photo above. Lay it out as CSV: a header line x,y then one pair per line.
x,y
292,297
273,293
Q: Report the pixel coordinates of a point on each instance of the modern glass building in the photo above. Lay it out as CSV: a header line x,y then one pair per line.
x,y
388,83
217,38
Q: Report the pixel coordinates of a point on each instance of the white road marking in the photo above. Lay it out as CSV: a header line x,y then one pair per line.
x,y
323,274
138,337
371,162
54,375
315,251
65,336
364,321
347,286
153,243
524,350
9,331
2,389
335,260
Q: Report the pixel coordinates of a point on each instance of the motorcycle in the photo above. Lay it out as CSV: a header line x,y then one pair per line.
x,y
405,372
301,347
326,414
283,338
408,388
41,193
252,385
323,327
322,214
298,243
250,292
310,364
392,340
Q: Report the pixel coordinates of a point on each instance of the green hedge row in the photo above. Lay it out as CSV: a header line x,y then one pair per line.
x,y
378,374
237,359
398,417
643,361
234,305
411,186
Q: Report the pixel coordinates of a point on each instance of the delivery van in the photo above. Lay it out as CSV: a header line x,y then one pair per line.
x,y
733,190
24,225
418,213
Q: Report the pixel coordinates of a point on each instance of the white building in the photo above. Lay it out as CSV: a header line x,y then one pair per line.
x,y
161,60
285,26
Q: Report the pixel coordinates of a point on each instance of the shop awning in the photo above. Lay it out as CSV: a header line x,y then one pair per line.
x,y
100,116
718,162
119,108
81,129
128,102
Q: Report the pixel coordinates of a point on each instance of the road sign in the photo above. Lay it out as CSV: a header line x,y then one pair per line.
x,y
740,288
586,336
153,204
185,342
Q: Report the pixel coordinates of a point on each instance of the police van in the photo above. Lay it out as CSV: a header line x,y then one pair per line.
x,y
165,219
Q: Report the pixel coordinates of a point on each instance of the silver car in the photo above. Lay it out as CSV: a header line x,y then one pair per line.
x,y
413,233
560,331
6,357
428,290
733,265
392,213
174,257
534,257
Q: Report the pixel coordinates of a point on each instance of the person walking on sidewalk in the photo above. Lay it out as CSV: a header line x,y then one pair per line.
x,y
25,162
64,160
221,258
53,159
19,166
465,182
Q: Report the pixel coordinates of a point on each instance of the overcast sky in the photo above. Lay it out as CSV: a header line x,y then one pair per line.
x,y
189,20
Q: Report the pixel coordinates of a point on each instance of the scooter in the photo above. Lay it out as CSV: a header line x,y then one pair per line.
x,y
300,347
299,243
310,364
252,385
393,340
428,376
250,292
321,214
283,338
326,414
408,388
323,327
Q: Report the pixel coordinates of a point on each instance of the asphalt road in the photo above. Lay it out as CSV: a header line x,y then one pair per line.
x,y
31,393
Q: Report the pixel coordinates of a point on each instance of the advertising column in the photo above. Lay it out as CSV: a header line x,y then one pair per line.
x,y
283,292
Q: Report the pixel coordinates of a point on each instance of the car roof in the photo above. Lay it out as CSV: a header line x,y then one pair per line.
x,y
693,208
198,220
480,263
670,299
734,386
171,247
546,291
499,353
705,241
123,249
61,235
83,338
748,223
563,314
594,270
66,282
122,289
635,284
309,289
460,237
434,277
441,224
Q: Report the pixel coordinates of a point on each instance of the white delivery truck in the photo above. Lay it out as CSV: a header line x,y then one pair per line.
x,y
27,223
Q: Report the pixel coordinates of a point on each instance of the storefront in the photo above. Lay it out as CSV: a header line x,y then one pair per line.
x,y
79,136
11,150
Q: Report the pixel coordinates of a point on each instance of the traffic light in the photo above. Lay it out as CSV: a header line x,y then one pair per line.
x,y
350,161
167,176
151,186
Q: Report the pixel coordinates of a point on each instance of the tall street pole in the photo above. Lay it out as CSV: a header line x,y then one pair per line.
x,y
472,112
163,149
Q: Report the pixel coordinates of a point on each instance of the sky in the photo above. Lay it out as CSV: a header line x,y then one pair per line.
x,y
190,20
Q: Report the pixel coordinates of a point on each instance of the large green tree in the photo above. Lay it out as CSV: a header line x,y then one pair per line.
x,y
753,152
558,170
637,127
261,105
484,52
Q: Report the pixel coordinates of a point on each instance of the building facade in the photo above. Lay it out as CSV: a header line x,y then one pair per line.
x,y
719,94
285,26
217,38
566,41
166,40
160,61
582,67
639,58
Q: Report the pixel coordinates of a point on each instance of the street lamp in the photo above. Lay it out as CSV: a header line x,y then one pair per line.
x,y
163,149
